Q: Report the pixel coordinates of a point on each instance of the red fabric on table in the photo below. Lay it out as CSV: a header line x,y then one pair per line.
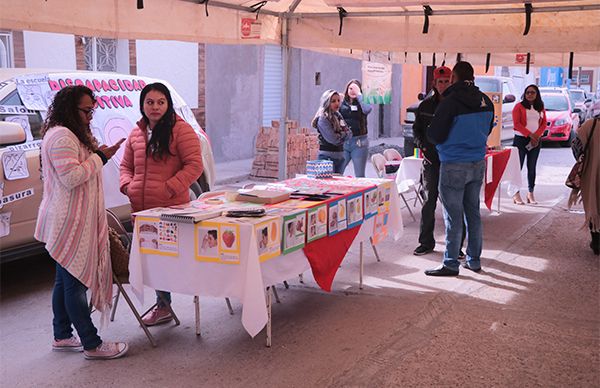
x,y
499,162
326,254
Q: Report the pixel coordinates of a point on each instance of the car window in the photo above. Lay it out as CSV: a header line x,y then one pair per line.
x,y
12,109
505,89
487,85
577,95
555,102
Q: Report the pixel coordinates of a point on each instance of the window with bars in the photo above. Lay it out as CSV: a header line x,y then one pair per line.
x,y
100,54
6,50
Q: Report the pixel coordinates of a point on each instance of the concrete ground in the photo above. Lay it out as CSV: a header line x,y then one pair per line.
x,y
530,318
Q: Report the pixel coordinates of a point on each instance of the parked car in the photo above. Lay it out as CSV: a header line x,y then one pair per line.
x,y
578,100
562,120
594,107
495,84
25,95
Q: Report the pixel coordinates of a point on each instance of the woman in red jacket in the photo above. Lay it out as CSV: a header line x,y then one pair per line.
x,y
162,159
529,117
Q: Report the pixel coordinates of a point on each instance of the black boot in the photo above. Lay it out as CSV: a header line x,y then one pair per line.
x,y
595,244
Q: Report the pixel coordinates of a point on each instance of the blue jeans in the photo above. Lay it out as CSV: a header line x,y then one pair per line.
x,y
460,186
532,156
356,149
70,306
338,163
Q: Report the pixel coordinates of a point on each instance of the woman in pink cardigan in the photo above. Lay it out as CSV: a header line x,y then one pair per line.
x,y
162,159
72,223
529,117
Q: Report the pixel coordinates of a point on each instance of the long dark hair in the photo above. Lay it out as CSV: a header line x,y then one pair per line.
x,y
64,111
538,104
348,99
158,145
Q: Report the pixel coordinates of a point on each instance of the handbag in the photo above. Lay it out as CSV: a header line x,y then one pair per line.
x,y
119,256
574,178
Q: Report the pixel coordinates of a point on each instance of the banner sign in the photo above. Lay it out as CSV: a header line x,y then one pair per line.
x,y
116,113
377,83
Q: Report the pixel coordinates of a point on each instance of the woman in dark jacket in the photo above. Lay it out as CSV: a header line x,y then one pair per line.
x,y
333,130
355,112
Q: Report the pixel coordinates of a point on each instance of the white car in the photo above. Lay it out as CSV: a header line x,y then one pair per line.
x,y
25,95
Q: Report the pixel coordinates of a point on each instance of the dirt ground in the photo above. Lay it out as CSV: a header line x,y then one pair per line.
x,y
530,318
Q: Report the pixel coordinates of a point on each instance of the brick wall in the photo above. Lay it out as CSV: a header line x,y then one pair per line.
x,y
80,53
200,112
19,48
132,58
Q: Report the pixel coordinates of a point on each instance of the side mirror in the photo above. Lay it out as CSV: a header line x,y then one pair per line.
x,y
509,98
421,96
587,101
576,110
11,133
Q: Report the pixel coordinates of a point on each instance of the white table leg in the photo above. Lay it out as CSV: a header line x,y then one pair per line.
x,y
360,272
197,308
269,301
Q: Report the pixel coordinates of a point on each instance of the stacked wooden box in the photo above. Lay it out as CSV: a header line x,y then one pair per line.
x,y
302,145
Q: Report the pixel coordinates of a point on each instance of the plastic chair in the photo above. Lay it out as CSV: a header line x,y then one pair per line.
x,y
392,154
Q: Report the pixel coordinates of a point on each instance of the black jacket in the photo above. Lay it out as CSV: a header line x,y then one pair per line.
x,y
423,117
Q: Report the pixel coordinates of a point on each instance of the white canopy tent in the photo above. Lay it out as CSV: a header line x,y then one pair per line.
x,y
559,32
395,27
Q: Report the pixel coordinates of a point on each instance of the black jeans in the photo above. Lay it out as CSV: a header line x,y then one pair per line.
x,y
532,156
430,178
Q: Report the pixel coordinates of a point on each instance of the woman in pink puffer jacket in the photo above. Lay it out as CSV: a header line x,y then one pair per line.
x,y
162,159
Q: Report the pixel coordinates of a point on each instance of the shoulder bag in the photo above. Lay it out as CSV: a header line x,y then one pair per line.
x,y
574,179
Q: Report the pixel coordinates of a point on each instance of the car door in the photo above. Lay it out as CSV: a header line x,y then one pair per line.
x,y
19,176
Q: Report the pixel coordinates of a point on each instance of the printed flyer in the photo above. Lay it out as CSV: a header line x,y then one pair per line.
x,y
157,237
337,216
268,235
217,242
294,232
355,210
371,203
317,223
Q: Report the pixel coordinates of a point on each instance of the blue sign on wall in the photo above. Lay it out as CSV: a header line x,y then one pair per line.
x,y
552,76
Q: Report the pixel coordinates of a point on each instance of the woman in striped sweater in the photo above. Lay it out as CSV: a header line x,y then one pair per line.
x,y
72,223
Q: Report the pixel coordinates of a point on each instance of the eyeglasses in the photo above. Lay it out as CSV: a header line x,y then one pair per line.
x,y
530,92
88,112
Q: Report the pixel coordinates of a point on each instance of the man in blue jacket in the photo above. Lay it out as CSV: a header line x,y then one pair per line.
x,y
463,120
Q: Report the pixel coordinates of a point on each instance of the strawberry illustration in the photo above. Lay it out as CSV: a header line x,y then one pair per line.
x,y
228,238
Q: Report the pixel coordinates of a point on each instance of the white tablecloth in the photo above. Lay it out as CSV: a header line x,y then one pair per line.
x,y
409,172
246,281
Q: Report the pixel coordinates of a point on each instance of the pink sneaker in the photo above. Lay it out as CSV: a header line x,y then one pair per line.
x,y
157,316
67,345
107,351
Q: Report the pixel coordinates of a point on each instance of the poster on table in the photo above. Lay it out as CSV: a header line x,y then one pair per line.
x,y
371,203
380,227
377,82
355,209
493,139
317,223
294,231
217,242
268,236
337,216
157,237
116,112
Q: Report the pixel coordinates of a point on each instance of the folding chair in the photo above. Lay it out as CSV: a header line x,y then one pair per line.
x,y
392,154
120,279
378,161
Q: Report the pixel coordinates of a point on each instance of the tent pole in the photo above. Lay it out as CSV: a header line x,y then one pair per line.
x,y
283,135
